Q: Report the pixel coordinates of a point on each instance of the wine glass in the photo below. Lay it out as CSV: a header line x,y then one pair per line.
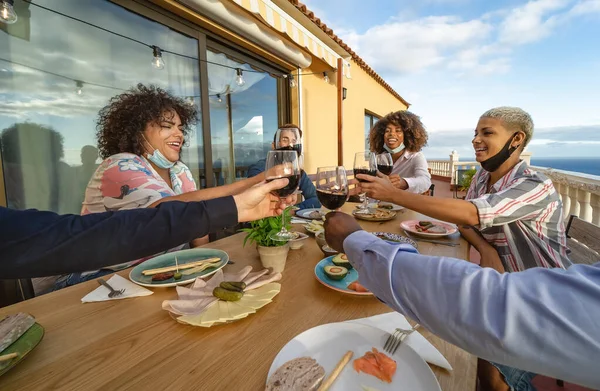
x,y
385,164
332,186
283,164
365,163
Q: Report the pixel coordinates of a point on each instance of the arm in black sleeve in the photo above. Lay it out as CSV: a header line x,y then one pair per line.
x,y
35,243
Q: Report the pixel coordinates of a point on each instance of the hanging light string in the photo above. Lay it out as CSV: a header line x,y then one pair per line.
x,y
157,51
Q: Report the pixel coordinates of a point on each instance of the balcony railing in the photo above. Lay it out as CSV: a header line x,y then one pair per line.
x,y
580,193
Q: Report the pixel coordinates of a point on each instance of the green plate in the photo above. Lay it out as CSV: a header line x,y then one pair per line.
x,y
22,346
183,257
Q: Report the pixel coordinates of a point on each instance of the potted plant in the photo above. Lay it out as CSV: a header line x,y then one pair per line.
x,y
272,253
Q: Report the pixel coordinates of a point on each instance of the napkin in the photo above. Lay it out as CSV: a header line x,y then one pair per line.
x,y
117,282
393,320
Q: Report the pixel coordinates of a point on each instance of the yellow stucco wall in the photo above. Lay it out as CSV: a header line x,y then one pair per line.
x,y
319,112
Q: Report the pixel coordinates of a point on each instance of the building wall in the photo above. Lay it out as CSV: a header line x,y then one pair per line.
x,y
319,113
364,93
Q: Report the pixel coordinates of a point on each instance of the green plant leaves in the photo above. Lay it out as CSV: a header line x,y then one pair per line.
x,y
260,230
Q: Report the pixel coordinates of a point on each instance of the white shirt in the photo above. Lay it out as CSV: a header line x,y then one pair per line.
x,y
413,168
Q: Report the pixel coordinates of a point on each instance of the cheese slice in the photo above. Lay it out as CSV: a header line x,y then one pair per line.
x,y
263,296
238,310
211,314
270,287
224,314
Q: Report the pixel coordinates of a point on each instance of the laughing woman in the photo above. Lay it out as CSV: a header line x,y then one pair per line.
x,y
512,215
403,135
140,135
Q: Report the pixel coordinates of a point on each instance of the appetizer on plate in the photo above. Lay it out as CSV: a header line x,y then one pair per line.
x,y
299,374
342,260
429,227
357,287
376,364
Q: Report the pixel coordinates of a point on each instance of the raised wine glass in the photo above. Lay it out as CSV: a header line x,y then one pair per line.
x,y
365,163
385,164
332,186
283,164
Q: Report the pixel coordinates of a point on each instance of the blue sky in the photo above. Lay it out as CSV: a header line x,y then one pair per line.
x,y
454,59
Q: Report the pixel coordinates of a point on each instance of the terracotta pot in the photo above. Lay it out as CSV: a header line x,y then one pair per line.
x,y
274,257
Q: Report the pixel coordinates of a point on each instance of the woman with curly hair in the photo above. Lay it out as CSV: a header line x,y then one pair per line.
x,y
140,135
403,135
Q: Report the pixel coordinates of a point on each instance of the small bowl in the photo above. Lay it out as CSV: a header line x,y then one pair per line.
x,y
320,239
297,243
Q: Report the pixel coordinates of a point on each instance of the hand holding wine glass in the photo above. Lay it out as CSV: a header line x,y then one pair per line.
x,y
283,164
332,186
365,163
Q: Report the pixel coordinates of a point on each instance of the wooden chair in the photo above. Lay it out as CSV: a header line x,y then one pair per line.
x,y
429,192
14,291
583,241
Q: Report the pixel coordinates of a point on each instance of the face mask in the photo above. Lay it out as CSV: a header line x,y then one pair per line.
x,y
493,163
158,158
395,150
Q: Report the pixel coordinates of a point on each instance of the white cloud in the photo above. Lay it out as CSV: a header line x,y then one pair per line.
x,y
475,47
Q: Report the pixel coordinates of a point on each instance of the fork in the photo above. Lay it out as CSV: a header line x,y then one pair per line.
x,y
113,293
396,338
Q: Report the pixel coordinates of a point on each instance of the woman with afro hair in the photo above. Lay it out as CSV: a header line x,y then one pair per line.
x,y
140,135
403,135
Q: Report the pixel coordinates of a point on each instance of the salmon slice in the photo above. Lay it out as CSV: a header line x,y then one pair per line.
x,y
356,286
376,364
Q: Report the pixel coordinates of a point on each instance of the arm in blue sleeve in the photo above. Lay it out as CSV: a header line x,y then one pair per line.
x,y
35,243
546,321
309,193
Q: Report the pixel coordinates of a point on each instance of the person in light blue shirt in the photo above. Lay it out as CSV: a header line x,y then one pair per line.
x,y
309,192
546,321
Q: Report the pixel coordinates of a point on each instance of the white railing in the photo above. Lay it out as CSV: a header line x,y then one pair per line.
x,y
440,168
580,193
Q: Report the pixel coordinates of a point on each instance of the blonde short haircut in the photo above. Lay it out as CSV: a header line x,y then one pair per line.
x,y
515,119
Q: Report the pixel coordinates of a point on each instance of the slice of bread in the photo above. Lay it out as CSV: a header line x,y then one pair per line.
x,y
299,374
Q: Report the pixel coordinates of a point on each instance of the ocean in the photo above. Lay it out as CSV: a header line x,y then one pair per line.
x,y
587,165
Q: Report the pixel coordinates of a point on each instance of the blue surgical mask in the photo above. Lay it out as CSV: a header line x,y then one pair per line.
x,y
395,150
158,158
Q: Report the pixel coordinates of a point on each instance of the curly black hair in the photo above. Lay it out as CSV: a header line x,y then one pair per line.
x,y
121,123
415,135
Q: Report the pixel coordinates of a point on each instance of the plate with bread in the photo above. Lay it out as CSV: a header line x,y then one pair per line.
x,y
428,228
348,356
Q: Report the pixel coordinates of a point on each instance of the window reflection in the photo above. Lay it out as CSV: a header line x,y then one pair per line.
x,y
243,118
54,81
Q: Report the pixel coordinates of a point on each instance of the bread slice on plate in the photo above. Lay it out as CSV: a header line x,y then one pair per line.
x,y
299,374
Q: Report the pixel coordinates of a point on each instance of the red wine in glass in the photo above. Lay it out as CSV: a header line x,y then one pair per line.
x,y
385,169
288,189
332,200
364,171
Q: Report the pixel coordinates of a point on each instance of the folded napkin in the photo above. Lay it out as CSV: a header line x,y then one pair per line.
x,y
117,282
393,320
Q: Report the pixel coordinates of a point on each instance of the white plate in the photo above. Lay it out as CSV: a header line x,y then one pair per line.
x,y
329,342
304,213
409,226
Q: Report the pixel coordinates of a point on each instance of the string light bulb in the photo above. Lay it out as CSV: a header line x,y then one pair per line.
x,y
157,61
325,77
239,80
79,87
7,12
219,98
292,81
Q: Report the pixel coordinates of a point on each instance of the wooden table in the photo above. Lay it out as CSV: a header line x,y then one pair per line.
x,y
134,344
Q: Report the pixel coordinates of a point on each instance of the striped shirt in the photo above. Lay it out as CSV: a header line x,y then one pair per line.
x,y
521,217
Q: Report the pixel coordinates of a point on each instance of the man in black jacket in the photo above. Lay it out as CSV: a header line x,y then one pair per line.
x,y
36,243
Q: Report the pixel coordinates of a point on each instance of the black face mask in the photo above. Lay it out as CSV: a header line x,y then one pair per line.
x,y
295,147
493,163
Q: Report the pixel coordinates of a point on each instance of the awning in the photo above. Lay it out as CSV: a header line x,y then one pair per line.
x,y
279,20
